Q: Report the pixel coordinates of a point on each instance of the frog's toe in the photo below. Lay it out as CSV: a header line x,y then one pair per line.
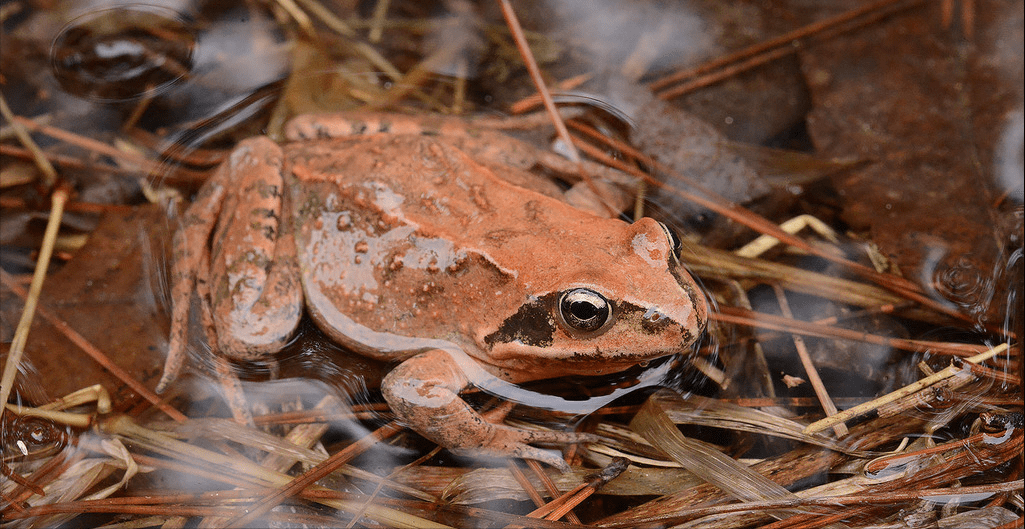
x,y
516,442
556,437
547,457
519,450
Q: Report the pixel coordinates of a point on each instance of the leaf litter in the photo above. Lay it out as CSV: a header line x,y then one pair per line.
x,y
904,159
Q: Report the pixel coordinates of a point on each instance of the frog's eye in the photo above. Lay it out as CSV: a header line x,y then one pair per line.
x,y
584,310
674,241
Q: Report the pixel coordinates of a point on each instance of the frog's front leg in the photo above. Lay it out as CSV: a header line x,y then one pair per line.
x,y
423,391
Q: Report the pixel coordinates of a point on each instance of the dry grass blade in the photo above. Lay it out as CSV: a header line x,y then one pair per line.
x,y
314,474
712,263
49,173
282,452
704,411
903,392
11,366
242,472
705,461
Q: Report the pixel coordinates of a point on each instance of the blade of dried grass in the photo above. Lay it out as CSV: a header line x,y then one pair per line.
x,y
299,16
788,469
283,449
246,473
11,366
307,479
49,173
713,263
704,411
903,392
328,18
809,367
713,466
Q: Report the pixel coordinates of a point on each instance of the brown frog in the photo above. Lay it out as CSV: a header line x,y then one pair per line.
x,y
429,246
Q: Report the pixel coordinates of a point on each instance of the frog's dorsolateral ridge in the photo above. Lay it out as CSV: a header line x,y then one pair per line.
x,y
422,247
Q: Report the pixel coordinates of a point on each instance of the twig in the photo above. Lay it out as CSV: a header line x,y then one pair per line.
x,y
57,200
300,17
809,366
912,388
328,18
316,473
49,173
535,75
768,50
377,20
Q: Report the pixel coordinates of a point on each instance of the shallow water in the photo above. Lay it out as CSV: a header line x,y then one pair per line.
x,y
911,163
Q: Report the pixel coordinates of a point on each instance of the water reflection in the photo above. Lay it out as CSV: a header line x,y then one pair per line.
x,y
208,70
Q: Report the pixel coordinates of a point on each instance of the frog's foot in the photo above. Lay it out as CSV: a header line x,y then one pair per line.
x,y
423,393
231,386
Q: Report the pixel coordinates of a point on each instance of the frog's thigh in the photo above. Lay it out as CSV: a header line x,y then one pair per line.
x,y
255,294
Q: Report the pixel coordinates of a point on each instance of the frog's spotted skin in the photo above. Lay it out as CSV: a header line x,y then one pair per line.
x,y
406,248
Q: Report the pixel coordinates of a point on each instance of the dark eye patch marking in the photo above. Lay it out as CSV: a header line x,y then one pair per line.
x,y
533,324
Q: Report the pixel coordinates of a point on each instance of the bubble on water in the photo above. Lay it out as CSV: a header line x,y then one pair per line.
x,y
123,53
960,281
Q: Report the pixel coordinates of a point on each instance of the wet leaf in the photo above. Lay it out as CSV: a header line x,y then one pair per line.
x,y
109,292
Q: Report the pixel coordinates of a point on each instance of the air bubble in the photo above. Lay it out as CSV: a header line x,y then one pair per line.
x,y
123,53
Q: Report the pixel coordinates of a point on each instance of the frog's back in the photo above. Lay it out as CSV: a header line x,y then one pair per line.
x,y
409,237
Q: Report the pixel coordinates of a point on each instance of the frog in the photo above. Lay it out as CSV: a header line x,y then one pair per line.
x,y
432,246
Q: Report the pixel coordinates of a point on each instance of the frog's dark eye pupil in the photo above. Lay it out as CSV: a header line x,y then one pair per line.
x,y
584,310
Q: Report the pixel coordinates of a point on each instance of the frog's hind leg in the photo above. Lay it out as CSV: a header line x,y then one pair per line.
x,y
190,263
255,291
234,253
